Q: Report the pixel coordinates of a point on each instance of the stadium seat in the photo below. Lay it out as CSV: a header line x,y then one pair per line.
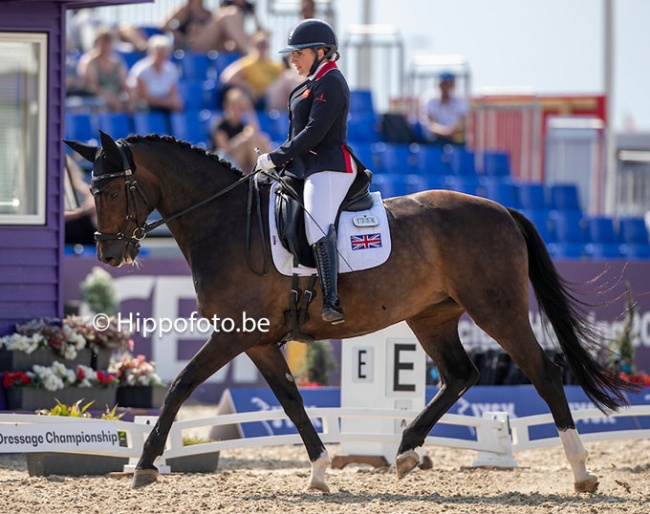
x,y
361,102
80,126
464,184
502,191
394,184
432,161
532,196
192,126
602,242
496,164
541,219
154,122
272,123
197,94
564,197
130,58
396,158
223,60
365,153
462,162
570,238
633,234
196,66
118,125
362,127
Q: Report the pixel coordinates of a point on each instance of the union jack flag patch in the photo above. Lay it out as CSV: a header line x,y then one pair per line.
x,y
365,241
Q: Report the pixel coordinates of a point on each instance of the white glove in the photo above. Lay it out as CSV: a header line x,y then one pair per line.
x,y
265,163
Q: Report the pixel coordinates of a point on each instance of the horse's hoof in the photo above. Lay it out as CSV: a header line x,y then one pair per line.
x,y
143,477
317,486
406,462
587,486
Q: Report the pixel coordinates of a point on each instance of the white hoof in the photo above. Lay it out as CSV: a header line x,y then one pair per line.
x,y
406,462
317,478
589,485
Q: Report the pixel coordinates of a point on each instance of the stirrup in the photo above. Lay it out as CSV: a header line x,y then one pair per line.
x,y
332,314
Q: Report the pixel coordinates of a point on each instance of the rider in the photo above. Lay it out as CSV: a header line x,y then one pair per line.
x,y
316,150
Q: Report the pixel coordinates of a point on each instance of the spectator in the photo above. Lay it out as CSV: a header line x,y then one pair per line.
x,y
84,24
307,9
186,22
155,78
79,214
254,72
443,117
104,73
236,136
226,31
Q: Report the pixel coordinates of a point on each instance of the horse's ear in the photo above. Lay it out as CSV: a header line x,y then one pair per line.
x,y
111,150
88,152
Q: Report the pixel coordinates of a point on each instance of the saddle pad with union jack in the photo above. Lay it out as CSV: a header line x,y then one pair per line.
x,y
363,241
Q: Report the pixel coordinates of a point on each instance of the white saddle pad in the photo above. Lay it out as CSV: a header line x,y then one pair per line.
x,y
363,240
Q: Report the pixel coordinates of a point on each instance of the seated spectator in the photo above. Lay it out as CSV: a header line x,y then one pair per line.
x,y
186,22
226,31
103,73
155,78
443,116
236,136
79,214
277,94
254,72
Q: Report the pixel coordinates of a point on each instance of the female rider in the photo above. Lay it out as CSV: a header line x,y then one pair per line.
x,y
316,149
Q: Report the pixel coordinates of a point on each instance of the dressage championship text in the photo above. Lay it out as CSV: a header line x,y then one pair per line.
x,y
51,437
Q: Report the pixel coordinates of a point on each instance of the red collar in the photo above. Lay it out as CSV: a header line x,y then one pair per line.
x,y
331,65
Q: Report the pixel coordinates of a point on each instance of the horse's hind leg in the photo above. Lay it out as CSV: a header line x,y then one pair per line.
x,y
272,365
457,374
209,359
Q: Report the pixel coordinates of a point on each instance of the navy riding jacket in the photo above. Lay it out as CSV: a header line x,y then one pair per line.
x,y
318,113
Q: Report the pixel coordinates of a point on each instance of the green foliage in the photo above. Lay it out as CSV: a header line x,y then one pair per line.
x,y
70,411
623,347
320,361
192,440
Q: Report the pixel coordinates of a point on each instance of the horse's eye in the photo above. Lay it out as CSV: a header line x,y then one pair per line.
x,y
114,194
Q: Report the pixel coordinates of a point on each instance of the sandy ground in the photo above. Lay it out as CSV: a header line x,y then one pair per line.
x,y
270,480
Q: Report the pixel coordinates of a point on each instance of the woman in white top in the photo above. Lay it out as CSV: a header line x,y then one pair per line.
x,y
155,78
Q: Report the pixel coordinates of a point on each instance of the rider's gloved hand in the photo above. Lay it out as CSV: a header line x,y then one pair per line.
x,y
265,163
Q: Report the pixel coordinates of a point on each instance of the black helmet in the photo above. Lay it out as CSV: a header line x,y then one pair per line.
x,y
312,33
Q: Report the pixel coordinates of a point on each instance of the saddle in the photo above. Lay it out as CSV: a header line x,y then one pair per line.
x,y
290,219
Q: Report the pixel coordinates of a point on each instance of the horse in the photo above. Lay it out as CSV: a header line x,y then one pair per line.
x,y
452,254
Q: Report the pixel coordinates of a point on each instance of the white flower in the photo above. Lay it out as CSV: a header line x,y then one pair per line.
x,y
69,351
21,343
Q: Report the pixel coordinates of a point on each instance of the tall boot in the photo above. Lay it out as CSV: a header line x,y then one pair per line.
x,y
327,264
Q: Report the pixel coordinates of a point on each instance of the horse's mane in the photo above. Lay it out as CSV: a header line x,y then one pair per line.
x,y
185,146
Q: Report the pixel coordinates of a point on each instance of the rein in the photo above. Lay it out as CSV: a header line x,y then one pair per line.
x,y
133,189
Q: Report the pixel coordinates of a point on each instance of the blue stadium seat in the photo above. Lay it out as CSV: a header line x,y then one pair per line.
x,y
365,153
463,184
502,191
541,219
192,126
80,126
154,122
462,162
564,197
570,237
196,66
197,94
634,236
118,125
273,124
396,158
362,127
394,184
532,196
150,30
361,102
602,239
223,60
496,164
130,58
432,161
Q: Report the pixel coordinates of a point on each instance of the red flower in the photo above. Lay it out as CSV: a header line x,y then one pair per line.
x,y
80,374
18,378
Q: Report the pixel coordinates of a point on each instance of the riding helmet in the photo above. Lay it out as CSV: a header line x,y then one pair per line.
x,y
312,33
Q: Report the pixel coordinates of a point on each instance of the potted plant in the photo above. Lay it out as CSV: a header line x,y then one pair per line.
x,y
74,464
44,386
139,384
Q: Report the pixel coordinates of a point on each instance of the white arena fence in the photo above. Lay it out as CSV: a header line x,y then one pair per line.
x,y
497,435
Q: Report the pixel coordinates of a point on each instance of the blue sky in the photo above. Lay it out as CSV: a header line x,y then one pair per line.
x,y
546,46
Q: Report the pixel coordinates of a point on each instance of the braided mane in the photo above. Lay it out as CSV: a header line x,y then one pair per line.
x,y
185,146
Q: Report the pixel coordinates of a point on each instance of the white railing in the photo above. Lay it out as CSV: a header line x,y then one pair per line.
x,y
497,435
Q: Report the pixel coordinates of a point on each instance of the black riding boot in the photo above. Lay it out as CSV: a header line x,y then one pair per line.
x,y
327,263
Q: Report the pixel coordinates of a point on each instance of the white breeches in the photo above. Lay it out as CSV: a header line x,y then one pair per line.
x,y
324,191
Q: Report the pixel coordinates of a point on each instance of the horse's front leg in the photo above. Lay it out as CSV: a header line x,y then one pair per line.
x,y
272,365
212,356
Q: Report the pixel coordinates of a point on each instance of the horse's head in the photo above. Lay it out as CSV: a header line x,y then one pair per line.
x,y
121,203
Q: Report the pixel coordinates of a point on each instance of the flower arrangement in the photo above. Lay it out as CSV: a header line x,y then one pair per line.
x,y
76,410
136,371
98,291
57,376
66,336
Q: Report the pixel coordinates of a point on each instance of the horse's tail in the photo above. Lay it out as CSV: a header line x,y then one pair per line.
x,y
603,387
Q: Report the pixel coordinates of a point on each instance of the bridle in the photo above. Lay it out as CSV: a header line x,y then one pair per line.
x,y
133,206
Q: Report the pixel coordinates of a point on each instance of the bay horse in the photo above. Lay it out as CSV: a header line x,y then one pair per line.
x,y
452,253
